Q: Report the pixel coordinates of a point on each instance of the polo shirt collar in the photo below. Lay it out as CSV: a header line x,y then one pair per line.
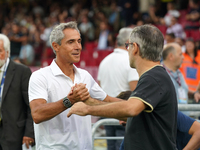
x,y
57,71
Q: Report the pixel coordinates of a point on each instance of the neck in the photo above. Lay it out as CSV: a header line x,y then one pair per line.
x,y
67,68
191,55
144,65
170,66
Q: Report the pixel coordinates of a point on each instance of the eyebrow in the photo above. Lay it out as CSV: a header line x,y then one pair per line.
x,y
73,39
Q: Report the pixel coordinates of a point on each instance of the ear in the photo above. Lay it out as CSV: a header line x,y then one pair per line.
x,y
170,56
56,46
135,49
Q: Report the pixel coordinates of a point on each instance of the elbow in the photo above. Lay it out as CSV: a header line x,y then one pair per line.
x,y
36,119
133,113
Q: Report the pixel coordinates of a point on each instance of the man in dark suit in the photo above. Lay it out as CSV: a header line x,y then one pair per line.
x,y
16,123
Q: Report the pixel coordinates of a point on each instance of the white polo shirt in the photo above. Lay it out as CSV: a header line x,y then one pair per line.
x,y
115,73
60,132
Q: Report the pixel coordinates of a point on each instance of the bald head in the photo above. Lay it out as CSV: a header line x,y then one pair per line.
x,y
170,48
172,56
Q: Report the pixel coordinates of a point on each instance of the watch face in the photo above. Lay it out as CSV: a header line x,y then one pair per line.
x,y
67,102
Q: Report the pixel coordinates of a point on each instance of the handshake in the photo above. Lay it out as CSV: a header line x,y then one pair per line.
x,y
78,93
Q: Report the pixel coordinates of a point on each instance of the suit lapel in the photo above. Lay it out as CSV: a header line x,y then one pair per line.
x,y
9,76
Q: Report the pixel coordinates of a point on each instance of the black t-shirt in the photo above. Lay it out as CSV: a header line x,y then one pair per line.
x,y
155,128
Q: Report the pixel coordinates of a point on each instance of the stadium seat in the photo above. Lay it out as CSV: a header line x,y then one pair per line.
x,y
90,46
195,34
162,28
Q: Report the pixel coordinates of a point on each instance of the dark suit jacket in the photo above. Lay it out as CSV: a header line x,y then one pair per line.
x,y
16,115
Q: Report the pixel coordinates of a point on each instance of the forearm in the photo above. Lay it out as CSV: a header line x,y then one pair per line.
x,y
46,111
194,143
116,110
91,101
112,99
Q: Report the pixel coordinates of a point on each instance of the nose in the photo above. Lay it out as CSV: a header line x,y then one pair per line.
x,y
78,46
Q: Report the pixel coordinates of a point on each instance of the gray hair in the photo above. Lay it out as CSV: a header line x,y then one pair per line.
x,y
150,40
6,43
57,33
123,36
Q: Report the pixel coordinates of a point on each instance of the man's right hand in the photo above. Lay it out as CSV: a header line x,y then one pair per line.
x,y
79,92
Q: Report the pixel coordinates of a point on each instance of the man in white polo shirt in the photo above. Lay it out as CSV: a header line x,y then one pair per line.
x,y
115,75
55,88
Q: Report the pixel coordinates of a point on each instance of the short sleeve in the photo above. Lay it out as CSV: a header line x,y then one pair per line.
x,y
37,86
184,122
149,92
95,90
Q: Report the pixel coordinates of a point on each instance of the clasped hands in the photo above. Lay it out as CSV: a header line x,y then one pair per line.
x,y
78,95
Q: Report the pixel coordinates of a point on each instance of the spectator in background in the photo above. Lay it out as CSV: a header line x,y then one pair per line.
x,y
191,65
16,123
16,38
172,60
144,8
103,42
86,29
129,11
171,12
36,42
162,4
98,18
181,42
154,14
114,76
169,38
27,54
114,17
193,15
194,10
176,28
105,6
47,53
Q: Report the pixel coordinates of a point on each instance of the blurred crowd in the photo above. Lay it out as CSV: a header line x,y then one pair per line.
x,y
29,23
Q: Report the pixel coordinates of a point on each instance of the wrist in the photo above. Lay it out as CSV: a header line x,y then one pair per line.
x,y
66,102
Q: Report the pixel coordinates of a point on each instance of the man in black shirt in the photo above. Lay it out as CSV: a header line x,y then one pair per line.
x,y
152,107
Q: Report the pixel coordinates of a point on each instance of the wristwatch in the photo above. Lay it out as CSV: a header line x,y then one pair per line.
x,y
67,102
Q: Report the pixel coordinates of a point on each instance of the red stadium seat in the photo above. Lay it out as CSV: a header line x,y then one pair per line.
x,y
162,28
195,34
